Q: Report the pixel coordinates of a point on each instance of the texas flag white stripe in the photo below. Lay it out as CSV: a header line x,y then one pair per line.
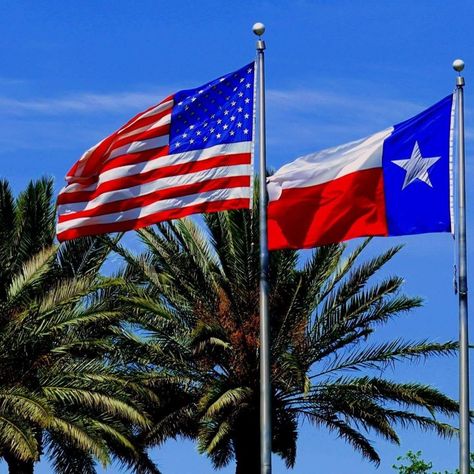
x,y
327,165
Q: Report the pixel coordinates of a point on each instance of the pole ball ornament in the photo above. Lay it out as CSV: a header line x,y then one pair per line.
x,y
258,29
458,65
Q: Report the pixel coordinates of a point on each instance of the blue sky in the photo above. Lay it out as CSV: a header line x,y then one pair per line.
x,y
72,72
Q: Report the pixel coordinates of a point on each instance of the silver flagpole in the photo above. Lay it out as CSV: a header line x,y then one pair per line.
x,y
458,66
265,368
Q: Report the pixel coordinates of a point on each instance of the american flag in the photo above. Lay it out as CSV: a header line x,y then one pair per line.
x,y
189,154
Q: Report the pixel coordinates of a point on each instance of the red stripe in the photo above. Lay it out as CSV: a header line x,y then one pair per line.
x,y
154,218
345,208
88,170
156,132
142,178
142,121
145,121
134,158
150,198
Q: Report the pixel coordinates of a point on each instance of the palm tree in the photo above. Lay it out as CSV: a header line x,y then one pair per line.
x,y
61,390
196,300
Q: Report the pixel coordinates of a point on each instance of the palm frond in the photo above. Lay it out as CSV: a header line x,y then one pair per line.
x,y
31,276
348,434
18,439
79,438
95,400
230,399
35,219
378,356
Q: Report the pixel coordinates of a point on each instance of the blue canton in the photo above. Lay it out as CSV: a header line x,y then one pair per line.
x,y
416,172
216,113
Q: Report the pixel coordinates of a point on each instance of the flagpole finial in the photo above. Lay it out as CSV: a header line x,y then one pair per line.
x,y
458,65
258,28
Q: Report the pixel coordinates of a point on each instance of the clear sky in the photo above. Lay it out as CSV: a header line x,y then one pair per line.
x,y
72,72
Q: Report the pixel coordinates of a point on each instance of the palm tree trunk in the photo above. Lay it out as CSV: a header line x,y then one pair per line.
x,y
16,466
247,445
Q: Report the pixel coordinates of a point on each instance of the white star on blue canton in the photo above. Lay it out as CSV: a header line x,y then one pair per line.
x,y
225,114
416,167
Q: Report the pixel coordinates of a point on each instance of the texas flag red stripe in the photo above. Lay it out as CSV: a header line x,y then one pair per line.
x,y
330,196
341,209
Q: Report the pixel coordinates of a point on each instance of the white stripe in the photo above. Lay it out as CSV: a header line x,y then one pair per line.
x,y
140,146
154,111
165,120
254,129
88,152
161,162
156,142
329,164
162,141
164,205
83,160
159,184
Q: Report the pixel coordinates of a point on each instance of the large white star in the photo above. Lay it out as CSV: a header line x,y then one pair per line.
x,y
416,167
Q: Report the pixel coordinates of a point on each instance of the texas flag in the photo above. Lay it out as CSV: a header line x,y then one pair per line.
x,y
395,182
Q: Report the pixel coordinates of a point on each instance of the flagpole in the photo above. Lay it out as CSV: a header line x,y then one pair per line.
x,y
464,451
265,368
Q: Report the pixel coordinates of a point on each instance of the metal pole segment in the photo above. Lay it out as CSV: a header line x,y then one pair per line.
x,y
265,367
462,286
